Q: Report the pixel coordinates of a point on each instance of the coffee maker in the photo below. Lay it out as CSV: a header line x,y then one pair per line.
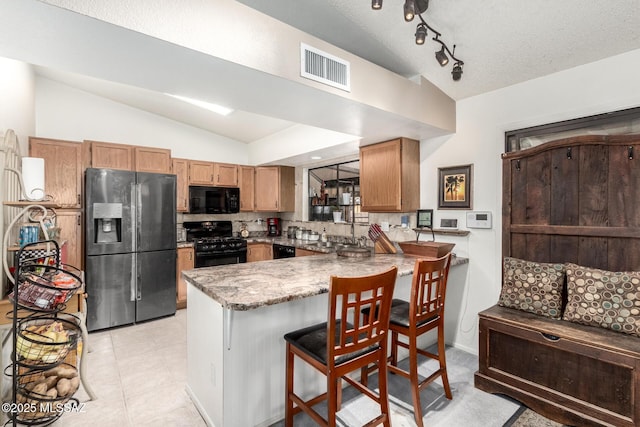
x,y
273,227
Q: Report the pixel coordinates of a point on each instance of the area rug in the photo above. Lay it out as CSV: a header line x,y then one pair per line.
x,y
525,417
470,407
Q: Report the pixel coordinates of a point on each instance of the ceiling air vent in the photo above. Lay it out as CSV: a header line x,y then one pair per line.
x,y
324,68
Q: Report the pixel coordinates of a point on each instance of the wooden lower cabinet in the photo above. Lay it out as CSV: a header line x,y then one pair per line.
x,y
185,261
573,374
259,251
306,252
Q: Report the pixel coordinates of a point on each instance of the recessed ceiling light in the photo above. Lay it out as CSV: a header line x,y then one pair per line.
x,y
315,157
204,104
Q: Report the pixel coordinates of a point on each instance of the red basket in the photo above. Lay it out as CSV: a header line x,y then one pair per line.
x,y
45,287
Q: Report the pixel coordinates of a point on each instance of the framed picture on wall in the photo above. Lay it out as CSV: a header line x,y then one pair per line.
x,y
454,187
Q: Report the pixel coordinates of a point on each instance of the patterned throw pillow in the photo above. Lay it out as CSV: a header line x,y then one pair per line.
x,y
603,298
533,286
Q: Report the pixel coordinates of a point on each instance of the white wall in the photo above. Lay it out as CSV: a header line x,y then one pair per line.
x,y
607,85
66,113
17,103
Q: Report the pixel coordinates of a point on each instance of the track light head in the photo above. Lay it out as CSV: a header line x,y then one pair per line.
x,y
409,10
456,73
376,4
441,57
421,34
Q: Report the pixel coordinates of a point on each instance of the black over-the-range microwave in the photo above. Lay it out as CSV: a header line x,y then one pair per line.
x,y
213,200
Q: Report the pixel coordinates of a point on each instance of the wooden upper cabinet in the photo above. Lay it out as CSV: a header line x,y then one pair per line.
x,y
149,159
275,189
246,184
180,167
62,169
200,173
225,175
111,156
390,176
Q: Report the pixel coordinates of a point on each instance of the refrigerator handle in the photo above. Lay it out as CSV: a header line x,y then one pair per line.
x,y
134,280
138,287
134,217
136,204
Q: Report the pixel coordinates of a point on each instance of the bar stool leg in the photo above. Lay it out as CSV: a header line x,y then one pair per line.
x,y
415,380
332,399
443,363
288,412
383,376
394,348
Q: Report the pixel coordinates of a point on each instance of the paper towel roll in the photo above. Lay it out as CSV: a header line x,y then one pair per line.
x,y
33,177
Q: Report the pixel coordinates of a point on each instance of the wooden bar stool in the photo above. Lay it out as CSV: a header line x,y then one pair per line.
x,y
424,312
344,344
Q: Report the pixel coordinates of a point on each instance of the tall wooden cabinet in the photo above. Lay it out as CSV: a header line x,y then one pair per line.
x,y
180,167
274,189
185,261
62,169
390,176
246,176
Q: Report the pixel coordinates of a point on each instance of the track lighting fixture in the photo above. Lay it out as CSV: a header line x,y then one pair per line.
x,y
409,10
456,73
421,34
413,8
441,57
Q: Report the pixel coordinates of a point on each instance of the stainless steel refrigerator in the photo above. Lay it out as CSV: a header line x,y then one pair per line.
x,y
130,246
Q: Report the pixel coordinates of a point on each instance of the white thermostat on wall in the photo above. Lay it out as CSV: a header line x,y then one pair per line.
x,y
479,220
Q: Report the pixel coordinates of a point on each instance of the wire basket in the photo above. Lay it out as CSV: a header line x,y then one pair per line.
x,y
45,287
45,341
42,395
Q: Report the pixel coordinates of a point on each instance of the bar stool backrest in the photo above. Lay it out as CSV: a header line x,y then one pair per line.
x,y
347,297
428,289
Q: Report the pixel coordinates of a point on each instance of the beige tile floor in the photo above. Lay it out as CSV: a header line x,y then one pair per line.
x,y
139,374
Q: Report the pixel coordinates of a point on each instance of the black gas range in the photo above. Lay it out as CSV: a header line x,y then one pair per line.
x,y
214,243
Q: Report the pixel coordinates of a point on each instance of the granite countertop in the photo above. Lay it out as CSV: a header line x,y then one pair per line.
x,y
252,285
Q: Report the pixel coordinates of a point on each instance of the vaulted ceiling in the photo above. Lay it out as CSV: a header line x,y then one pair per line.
x,y
502,42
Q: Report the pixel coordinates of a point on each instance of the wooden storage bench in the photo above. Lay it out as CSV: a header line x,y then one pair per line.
x,y
574,374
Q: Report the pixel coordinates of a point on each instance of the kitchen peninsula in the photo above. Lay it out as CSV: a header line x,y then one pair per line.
x,y
238,315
